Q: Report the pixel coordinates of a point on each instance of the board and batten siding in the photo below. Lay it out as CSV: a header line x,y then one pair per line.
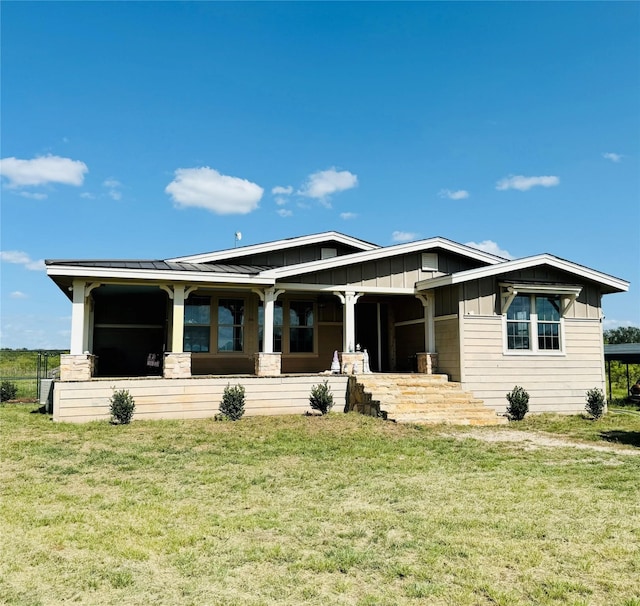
x,y
448,346
194,398
555,383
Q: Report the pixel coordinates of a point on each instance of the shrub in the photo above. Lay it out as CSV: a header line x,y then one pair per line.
x,y
595,402
8,391
232,405
122,406
321,397
518,403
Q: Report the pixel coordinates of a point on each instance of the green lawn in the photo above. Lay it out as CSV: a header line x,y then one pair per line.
x,y
341,509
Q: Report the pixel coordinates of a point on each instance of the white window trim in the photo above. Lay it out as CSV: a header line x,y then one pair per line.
x,y
568,295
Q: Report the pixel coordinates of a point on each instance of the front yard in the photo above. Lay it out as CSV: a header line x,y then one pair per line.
x,y
334,510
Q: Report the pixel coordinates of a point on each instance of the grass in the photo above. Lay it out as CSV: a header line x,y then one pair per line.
x,y
340,509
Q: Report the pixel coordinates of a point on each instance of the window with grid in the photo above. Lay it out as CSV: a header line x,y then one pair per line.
x,y
519,323
197,324
548,318
301,326
231,325
538,315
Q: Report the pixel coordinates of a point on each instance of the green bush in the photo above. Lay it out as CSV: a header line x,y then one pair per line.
x,y
8,391
518,403
122,406
595,403
321,397
232,405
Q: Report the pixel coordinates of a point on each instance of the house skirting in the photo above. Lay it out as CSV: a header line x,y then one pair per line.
x,y
191,398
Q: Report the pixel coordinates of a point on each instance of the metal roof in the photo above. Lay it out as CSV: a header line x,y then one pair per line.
x,y
623,352
220,268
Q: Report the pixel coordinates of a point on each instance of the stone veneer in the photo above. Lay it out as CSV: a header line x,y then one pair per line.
x,y
427,363
351,362
268,364
177,365
79,367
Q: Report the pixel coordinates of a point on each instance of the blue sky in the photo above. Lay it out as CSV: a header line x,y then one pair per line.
x,y
159,129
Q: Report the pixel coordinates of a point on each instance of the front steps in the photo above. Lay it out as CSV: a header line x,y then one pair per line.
x,y
418,398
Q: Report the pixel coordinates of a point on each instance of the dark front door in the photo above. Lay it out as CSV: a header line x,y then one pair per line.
x,y
372,333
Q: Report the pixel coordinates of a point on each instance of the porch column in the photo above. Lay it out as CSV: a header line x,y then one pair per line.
x,y
348,300
177,334
81,317
268,362
429,323
177,362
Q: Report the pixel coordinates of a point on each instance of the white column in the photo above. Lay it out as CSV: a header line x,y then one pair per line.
x,y
78,321
348,300
177,336
429,322
267,331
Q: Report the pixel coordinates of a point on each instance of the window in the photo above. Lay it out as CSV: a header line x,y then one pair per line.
x,y
277,325
548,315
301,326
538,315
230,325
197,324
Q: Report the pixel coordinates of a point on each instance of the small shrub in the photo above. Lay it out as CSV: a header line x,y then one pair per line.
x,y
321,397
518,403
232,405
122,406
595,402
8,391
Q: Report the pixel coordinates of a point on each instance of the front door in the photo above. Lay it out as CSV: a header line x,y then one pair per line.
x,y
372,333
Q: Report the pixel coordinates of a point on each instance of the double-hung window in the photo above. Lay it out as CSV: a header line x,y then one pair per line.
x,y
197,324
230,325
534,319
301,326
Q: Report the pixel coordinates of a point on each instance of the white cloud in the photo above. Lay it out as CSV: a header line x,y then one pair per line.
x,y
324,183
281,201
32,195
114,194
280,190
347,216
87,196
490,247
283,212
613,157
16,294
206,188
113,186
17,257
459,194
111,183
522,183
42,170
403,236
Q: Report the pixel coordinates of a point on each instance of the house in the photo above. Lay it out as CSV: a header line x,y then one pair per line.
x,y
281,309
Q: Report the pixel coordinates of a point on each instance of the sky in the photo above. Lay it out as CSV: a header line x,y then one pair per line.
x,y
151,130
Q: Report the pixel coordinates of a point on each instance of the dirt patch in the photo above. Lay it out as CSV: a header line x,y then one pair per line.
x,y
530,440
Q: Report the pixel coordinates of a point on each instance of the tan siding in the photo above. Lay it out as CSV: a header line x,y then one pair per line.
x,y
448,347
190,398
554,382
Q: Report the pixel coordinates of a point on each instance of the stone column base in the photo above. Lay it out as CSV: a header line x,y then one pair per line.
x,y
427,363
177,365
268,364
80,367
351,362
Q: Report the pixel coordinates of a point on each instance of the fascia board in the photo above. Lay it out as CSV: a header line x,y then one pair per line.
x,y
243,251
157,276
526,263
381,253
330,288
